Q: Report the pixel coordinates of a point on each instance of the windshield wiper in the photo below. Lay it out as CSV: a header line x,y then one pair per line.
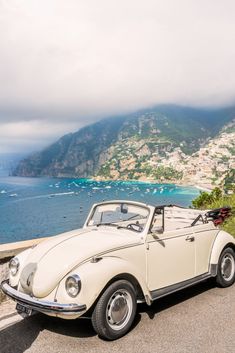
x,y
133,217
121,227
107,224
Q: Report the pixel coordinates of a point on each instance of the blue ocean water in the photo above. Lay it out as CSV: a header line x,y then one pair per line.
x,y
39,207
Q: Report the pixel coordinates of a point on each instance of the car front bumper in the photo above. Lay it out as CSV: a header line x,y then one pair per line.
x,y
42,306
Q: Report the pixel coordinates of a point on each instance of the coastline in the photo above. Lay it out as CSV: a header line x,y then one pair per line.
x,y
202,187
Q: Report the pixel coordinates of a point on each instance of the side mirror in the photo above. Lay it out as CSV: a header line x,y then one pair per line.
x,y
158,230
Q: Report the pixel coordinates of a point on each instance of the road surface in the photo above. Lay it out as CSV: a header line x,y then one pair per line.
x,y
200,319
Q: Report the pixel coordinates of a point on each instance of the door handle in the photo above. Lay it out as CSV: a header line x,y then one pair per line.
x,y
190,238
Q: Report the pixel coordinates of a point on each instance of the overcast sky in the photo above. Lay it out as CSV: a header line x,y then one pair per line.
x,y
65,63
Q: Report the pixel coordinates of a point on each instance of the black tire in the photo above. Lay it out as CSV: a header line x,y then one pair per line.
x,y
226,268
119,295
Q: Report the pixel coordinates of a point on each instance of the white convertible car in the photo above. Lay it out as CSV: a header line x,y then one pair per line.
x,y
126,253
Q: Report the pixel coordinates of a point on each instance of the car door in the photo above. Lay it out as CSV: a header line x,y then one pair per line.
x,y
205,235
170,257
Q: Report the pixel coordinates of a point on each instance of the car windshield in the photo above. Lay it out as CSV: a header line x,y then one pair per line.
x,y
120,215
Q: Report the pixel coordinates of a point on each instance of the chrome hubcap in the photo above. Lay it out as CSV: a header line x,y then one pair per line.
x,y
228,267
119,309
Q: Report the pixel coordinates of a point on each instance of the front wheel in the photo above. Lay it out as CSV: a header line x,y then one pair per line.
x,y
226,268
115,310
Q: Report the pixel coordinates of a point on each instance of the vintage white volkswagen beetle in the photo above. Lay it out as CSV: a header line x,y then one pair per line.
x,y
127,252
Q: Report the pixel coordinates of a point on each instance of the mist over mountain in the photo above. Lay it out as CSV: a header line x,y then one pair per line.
x,y
8,162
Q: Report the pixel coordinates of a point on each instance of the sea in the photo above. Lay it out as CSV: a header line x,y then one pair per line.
x,y
40,207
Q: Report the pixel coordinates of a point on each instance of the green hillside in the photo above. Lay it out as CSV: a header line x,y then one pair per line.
x,y
163,129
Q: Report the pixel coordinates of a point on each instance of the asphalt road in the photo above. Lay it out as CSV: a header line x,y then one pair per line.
x,y
200,319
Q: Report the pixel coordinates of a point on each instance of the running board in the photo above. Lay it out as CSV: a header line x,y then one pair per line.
x,y
162,292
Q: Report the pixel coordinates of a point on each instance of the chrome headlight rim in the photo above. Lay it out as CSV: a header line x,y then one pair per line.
x,y
73,285
14,265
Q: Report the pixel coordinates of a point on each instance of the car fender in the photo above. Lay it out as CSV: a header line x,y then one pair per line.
x,y
22,257
97,274
222,240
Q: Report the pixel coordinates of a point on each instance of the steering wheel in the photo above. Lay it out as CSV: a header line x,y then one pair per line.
x,y
135,226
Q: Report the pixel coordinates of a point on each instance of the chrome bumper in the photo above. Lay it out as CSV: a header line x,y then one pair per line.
x,y
41,305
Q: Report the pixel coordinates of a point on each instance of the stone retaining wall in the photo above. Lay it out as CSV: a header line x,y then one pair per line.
x,y
7,251
3,273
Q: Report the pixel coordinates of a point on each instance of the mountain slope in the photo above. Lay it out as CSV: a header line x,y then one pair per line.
x,y
75,154
120,147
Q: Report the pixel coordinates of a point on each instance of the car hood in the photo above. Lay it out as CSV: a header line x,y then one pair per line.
x,y
54,258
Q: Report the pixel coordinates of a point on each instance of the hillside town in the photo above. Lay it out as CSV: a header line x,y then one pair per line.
x,y
151,159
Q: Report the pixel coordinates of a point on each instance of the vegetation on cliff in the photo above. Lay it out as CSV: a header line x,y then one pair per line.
x,y
229,181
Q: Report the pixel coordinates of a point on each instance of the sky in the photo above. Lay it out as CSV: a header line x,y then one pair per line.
x,y
67,63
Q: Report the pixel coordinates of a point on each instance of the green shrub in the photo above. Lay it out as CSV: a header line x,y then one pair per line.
x,y
205,198
216,199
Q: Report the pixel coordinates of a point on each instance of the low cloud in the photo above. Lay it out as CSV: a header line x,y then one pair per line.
x,y
72,62
27,136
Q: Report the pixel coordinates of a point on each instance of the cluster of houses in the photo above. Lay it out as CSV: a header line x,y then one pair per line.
x,y
206,168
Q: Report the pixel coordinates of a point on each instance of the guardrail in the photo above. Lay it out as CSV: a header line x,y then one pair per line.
x,y
7,251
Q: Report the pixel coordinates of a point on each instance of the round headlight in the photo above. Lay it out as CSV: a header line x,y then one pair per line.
x,y
73,285
14,266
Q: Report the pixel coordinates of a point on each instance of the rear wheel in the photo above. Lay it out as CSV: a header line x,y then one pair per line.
x,y
226,268
115,310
